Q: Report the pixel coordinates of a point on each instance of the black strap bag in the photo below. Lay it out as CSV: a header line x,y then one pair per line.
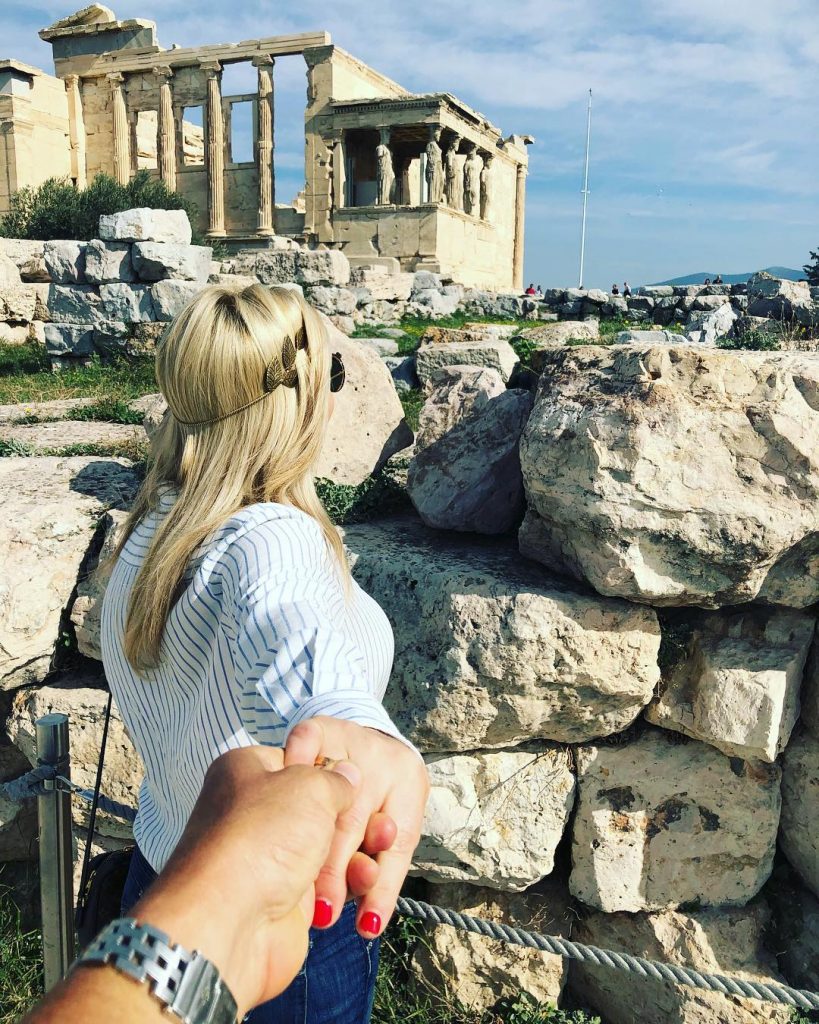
x,y
102,881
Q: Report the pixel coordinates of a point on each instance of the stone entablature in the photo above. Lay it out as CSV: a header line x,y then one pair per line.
x,y
121,103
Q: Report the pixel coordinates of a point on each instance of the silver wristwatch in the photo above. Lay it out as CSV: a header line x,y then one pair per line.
x,y
185,983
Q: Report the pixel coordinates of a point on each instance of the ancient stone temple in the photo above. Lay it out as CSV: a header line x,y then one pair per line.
x,y
411,181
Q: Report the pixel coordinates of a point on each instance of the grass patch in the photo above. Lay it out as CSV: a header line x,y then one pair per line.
x,y
25,376
413,402
756,341
21,962
399,1002
357,503
136,451
108,409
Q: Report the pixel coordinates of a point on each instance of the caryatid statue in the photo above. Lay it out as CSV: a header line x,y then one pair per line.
x,y
486,187
435,167
454,176
385,175
472,183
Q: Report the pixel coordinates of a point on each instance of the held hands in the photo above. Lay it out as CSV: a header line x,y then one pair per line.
x,y
383,819
239,886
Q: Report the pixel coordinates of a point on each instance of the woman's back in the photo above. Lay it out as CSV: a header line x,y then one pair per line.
x,y
262,636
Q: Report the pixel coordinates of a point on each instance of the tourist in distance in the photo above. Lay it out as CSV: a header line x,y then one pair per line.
x,y
718,279
707,280
538,292
626,290
615,290
531,289
257,938
231,619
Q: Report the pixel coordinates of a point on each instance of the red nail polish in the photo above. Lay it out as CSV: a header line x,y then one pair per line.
x,y
370,922
322,913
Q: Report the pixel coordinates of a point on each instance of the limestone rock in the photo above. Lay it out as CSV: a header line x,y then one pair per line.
x,y
9,274
624,492
737,684
367,425
41,293
657,291
469,479
86,611
477,971
708,328
727,940
18,822
662,823
559,333
171,297
434,303
69,339
156,261
18,302
495,819
809,698
155,412
709,303
65,261
648,338
302,266
454,392
76,304
130,303
337,301
113,337
14,333
84,701
490,652
783,300
799,837
146,225
53,410
22,251
403,372
40,437
108,262
490,352
50,511
382,346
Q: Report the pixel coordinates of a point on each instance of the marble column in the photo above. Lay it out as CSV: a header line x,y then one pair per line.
x,y
121,130
166,129
215,146
76,130
264,146
520,212
339,172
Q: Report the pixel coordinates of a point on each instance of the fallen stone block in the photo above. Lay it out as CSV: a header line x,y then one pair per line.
x,y
171,297
624,493
660,824
648,338
128,303
736,686
476,824
490,352
65,261
330,300
799,836
146,225
51,507
727,941
710,327
159,261
490,651
108,262
783,300
69,339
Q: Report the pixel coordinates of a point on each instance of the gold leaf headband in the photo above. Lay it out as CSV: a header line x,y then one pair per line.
x,y
279,372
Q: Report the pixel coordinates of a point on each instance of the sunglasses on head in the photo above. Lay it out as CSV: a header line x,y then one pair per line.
x,y
337,374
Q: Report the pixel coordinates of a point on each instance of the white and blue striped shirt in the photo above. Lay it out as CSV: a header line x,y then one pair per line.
x,y
263,637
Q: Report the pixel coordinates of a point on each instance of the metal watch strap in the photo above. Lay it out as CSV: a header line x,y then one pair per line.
x,y
187,984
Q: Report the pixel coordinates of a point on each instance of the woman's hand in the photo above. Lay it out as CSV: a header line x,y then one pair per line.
x,y
391,799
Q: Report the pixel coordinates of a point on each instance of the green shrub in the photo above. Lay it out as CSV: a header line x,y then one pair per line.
x,y
57,209
350,503
758,341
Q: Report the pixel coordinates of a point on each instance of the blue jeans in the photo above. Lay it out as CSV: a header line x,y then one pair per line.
x,y
336,985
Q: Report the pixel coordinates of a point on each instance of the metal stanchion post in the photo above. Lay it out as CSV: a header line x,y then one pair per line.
x,y
56,881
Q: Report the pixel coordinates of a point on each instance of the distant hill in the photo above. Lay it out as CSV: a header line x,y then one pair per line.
x,y
787,272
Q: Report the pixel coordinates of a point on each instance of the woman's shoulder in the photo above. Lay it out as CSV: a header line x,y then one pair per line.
x,y
268,533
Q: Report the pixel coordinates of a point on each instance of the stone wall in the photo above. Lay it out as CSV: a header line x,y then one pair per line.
x,y
604,614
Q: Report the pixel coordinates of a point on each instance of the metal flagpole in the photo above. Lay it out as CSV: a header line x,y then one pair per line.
x,y
585,191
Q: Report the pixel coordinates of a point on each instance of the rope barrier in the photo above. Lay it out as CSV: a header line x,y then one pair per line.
x,y
31,784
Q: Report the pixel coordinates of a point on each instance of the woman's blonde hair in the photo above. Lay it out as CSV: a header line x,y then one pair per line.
x,y
211,362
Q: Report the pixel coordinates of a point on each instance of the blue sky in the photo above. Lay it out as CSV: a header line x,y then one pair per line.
x,y
705,132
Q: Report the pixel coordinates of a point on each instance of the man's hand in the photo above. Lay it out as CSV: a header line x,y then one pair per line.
x,y
394,785
239,886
